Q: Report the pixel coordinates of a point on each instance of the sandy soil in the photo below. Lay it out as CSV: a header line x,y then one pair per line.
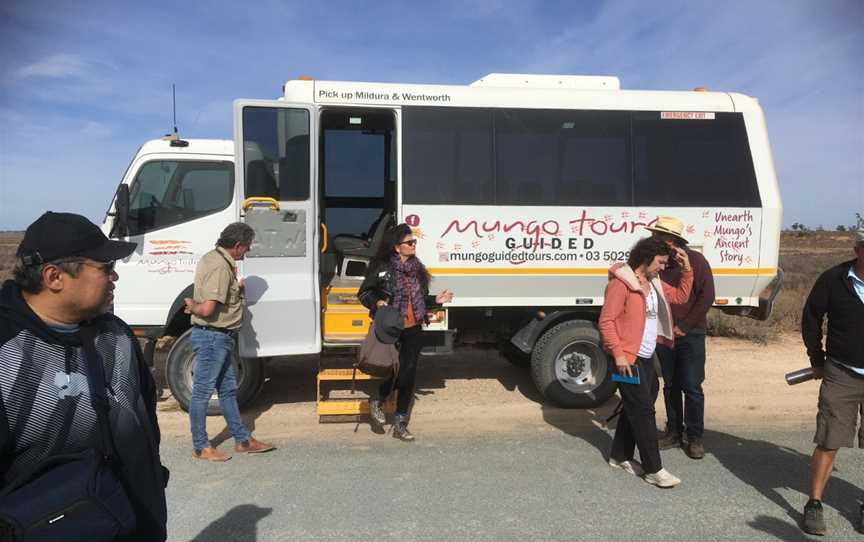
x,y
475,390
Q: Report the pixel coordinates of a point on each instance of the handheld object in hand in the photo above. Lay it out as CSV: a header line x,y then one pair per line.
x,y
623,379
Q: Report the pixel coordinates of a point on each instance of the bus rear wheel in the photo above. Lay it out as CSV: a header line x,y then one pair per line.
x,y
179,372
570,368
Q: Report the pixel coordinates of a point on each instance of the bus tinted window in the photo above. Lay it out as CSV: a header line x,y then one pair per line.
x,y
276,153
562,157
693,162
447,155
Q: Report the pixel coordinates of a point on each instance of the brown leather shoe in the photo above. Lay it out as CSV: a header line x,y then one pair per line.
x,y
253,446
694,449
210,454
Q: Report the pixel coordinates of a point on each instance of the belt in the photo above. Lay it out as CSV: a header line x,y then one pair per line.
x,y
218,330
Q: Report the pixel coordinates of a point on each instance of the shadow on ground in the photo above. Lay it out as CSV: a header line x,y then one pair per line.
x,y
768,467
294,381
240,524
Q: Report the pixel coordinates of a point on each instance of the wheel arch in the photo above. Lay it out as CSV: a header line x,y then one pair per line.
x,y
526,337
178,321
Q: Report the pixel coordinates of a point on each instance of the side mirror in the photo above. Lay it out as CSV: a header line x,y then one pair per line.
x,y
120,227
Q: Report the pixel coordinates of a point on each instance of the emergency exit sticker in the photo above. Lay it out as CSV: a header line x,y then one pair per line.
x,y
686,115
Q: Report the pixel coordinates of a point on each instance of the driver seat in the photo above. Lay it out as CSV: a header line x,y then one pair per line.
x,y
352,245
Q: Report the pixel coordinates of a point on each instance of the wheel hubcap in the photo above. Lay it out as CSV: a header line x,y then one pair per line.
x,y
580,367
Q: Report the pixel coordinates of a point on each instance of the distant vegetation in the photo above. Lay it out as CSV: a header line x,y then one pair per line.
x,y
8,245
859,224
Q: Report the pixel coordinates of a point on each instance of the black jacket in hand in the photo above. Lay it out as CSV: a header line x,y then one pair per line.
x,y
379,285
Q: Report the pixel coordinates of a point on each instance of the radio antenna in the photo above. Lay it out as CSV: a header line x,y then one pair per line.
x,y
174,138
174,106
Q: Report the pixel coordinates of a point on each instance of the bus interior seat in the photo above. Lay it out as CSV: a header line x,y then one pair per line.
x,y
260,181
294,169
353,245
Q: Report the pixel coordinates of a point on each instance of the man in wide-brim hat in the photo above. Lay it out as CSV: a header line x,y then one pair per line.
x,y
668,228
683,365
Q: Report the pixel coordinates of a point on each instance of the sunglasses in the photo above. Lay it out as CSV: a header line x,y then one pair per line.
x,y
411,243
106,267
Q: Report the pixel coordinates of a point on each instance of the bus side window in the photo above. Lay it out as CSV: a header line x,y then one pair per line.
x,y
168,192
693,163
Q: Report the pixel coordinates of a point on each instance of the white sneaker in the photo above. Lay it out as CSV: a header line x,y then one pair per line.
x,y
632,466
662,478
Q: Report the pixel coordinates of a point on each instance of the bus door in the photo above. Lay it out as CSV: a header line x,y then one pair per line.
x,y
275,167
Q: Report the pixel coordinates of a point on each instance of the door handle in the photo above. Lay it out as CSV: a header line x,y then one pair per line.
x,y
324,237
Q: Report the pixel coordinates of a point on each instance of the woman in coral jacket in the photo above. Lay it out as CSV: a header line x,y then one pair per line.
x,y
635,317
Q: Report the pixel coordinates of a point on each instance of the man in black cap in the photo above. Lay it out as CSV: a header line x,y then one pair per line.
x,y
63,287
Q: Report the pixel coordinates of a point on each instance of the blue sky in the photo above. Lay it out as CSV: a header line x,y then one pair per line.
x,y
83,84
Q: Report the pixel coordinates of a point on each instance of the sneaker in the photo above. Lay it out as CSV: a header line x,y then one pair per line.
x,y
669,440
694,448
253,446
376,413
400,429
662,478
210,454
632,466
814,519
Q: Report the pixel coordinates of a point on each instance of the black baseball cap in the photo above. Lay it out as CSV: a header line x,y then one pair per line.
x,y
66,235
388,324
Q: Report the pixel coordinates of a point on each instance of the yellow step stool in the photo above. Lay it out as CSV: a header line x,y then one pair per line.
x,y
345,408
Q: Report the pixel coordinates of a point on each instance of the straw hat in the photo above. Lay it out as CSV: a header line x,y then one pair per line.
x,y
670,226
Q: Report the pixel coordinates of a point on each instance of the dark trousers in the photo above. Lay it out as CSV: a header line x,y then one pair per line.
x,y
683,373
409,346
637,425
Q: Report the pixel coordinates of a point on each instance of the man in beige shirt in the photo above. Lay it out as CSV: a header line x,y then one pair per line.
x,y
217,314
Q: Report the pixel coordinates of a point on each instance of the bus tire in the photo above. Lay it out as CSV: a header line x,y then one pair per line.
x,y
179,371
570,368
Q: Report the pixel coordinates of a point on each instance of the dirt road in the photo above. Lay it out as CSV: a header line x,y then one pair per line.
x,y
476,390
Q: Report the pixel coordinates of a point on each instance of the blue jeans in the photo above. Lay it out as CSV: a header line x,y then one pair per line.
x,y
214,370
683,373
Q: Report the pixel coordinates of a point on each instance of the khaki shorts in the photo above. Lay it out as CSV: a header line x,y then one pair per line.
x,y
841,400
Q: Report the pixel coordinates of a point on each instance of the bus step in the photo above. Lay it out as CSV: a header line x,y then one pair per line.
x,y
337,404
350,407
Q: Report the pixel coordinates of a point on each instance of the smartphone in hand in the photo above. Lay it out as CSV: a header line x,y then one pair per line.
x,y
623,379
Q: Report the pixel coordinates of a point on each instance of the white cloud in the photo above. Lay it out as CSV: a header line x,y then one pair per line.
x,y
57,67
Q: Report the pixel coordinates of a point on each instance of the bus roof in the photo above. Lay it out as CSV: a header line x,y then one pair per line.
x,y
514,90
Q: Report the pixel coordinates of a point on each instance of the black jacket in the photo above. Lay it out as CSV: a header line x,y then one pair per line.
x,y
834,295
379,284
45,408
